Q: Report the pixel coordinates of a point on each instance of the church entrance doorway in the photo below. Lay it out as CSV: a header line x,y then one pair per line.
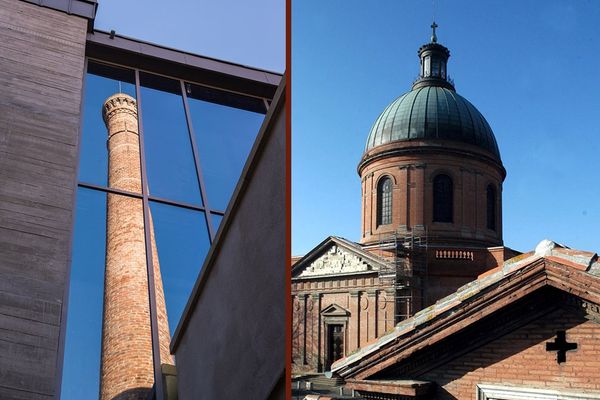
x,y
335,344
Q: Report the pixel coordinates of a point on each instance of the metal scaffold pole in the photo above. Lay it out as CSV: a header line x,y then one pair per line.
x,y
404,252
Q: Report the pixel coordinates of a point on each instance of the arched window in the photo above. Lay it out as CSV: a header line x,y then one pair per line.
x,y
384,202
491,207
442,198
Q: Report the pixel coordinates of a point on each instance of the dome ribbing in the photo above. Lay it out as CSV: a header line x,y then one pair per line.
x,y
432,112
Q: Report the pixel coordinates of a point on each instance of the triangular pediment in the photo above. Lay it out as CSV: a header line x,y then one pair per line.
x,y
336,256
335,311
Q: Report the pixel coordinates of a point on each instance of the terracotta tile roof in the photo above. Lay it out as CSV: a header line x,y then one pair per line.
x,y
407,330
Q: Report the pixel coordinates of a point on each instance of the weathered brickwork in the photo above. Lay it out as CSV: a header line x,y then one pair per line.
x,y
370,310
412,195
127,369
520,359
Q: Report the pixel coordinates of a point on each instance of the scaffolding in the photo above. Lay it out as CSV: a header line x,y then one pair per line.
x,y
404,269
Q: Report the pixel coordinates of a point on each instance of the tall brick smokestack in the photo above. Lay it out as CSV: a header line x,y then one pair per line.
x,y
127,367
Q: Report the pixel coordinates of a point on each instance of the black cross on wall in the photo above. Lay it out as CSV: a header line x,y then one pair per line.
x,y
561,346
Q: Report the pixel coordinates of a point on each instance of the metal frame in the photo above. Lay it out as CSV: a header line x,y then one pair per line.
x,y
199,175
146,198
193,82
158,383
203,70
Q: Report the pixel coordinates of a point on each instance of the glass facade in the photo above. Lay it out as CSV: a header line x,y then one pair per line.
x,y
158,167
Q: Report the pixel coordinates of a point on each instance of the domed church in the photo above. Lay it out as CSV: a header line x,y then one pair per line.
x,y
430,304
431,177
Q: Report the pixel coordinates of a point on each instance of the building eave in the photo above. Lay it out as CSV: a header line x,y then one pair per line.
x,y
147,56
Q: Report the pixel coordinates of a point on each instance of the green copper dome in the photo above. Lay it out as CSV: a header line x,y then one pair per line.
x,y
432,112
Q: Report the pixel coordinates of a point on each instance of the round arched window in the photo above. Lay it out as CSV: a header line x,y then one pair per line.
x,y
491,207
384,202
442,198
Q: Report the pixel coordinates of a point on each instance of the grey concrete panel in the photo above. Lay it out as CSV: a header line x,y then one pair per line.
x,y
231,341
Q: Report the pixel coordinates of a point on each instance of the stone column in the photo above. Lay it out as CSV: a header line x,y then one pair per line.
x,y
363,182
316,298
403,198
372,312
127,368
303,322
372,213
354,334
418,205
310,330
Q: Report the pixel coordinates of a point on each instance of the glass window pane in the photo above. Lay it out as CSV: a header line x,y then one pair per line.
x,y
225,126
182,244
169,157
81,371
102,82
108,323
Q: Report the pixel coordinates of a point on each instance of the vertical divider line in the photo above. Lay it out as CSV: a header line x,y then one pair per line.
x,y
158,384
199,176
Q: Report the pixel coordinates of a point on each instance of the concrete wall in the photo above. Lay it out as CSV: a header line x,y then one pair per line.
x,y
41,72
230,343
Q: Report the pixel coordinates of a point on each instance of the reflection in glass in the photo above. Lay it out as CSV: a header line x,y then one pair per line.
x,y
126,343
101,82
120,116
108,327
182,241
169,157
225,126
81,371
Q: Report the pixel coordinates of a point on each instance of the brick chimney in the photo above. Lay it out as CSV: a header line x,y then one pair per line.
x,y
127,366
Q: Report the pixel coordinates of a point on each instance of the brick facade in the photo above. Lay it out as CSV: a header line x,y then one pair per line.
x,y
497,337
370,308
373,305
412,173
520,359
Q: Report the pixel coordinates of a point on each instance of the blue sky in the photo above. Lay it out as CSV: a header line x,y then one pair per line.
x,y
531,68
246,32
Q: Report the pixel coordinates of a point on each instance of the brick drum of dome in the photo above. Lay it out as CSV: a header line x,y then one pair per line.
x,y
127,367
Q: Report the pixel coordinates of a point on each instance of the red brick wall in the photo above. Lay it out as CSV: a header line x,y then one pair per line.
x,y
412,197
520,359
371,315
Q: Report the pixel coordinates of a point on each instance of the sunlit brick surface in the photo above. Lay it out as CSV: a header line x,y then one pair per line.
x,y
127,369
520,359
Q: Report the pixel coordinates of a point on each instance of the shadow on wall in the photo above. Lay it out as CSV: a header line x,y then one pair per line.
x,y
135,394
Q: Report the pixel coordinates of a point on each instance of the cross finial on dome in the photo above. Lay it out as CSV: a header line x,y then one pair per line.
x,y
433,35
